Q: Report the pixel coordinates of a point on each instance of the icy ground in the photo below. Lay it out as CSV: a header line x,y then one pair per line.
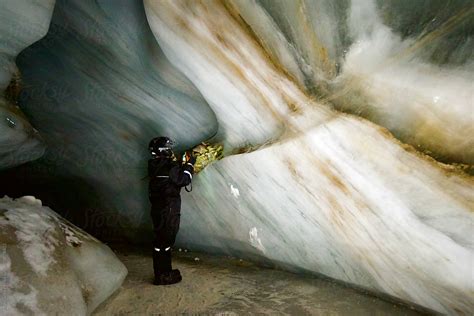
x,y
228,286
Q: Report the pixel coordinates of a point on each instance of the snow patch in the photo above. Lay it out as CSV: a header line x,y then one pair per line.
x,y
235,192
37,239
12,291
31,200
71,238
254,240
34,230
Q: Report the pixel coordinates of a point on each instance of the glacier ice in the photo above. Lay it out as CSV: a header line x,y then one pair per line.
x,y
424,104
346,201
253,102
22,23
98,88
302,184
387,61
49,266
324,192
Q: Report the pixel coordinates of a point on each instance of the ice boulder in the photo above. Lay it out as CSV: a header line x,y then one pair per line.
x,y
49,266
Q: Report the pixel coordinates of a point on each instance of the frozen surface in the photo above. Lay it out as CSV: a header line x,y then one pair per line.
x,y
424,103
346,201
22,23
326,192
229,286
49,266
406,65
99,88
253,102
313,189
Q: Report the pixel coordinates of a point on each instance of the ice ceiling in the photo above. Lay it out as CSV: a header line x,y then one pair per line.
x,y
347,127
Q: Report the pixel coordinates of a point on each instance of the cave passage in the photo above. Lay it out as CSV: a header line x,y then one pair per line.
x,y
334,145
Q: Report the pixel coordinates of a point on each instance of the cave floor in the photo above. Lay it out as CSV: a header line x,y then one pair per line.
x,y
228,286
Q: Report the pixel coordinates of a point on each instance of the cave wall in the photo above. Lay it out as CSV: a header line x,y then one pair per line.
x,y
405,65
331,193
98,88
22,23
363,197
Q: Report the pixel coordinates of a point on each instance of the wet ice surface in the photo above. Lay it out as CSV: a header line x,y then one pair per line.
x,y
228,286
50,267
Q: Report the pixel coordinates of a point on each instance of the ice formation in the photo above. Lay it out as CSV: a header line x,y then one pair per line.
x,y
49,266
407,66
352,204
22,23
336,194
302,185
99,79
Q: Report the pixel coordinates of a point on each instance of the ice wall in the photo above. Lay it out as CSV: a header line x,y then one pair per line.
x,y
99,88
312,188
254,104
406,65
22,23
345,200
327,192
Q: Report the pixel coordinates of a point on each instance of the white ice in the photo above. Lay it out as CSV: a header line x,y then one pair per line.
x,y
49,266
22,22
333,193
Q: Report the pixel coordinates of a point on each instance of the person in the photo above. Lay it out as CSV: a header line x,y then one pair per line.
x,y
167,177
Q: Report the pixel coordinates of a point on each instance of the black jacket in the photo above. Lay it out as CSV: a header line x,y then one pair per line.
x,y
167,177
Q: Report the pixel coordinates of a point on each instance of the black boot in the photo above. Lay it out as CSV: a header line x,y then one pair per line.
x,y
167,278
164,274
161,261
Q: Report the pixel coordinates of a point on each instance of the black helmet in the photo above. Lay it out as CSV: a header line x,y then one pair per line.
x,y
161,146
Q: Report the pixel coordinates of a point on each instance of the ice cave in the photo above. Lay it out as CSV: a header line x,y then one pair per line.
x,y
335,142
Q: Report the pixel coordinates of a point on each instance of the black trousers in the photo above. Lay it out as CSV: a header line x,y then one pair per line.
x,y
166,216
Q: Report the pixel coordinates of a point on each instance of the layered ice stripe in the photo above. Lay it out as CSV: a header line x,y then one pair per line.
x,y
347,201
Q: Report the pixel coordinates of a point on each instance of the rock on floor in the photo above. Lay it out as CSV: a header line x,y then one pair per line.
x,y
50,267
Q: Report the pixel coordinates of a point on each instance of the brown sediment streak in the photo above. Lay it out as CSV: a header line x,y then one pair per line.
x,y
125,135
277,79
297,176
344,222
448,169
318,48
12,95
336,213
233,57
232,54
233,48
272,62
324,168
14,88
447,27
234,12
425,127
332,173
